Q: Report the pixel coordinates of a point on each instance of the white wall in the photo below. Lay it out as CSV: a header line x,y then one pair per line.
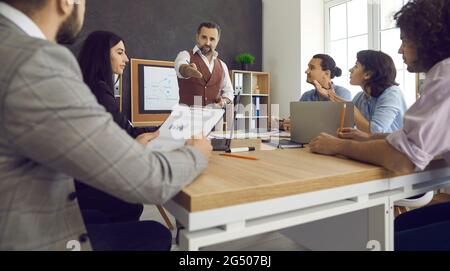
x,y
292,32
312,34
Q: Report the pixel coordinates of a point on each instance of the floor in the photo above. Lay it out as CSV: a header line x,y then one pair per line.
x,y
273,241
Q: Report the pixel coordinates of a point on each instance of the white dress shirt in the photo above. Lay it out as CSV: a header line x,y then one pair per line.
x,y
21,20
184,57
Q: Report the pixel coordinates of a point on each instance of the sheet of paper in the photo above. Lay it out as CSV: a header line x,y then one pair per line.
x,y
184,123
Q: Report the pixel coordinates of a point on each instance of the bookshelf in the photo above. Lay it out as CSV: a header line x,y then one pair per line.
x,y
254,112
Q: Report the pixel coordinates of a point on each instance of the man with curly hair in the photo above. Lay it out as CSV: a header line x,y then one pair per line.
x,y
425,35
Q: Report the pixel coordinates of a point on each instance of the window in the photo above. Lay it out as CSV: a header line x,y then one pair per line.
x,y
348,32
389,40
355,25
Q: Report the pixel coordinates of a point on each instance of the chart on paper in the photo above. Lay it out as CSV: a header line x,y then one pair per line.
x,y
161,90
184,123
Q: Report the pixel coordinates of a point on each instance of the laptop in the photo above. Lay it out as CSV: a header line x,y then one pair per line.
x,y
309,119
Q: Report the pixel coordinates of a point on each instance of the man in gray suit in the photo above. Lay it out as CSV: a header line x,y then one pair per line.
x,y
53,130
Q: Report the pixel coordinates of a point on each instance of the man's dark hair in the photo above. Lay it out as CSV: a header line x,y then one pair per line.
x,y
426,23
382,69
27,6
94,58
328,64
209,25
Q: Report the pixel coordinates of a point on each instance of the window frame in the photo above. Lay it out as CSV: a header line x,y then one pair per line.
x,y
373,24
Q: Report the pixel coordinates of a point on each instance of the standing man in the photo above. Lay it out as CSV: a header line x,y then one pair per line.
x,y
425,35
53,130
201,73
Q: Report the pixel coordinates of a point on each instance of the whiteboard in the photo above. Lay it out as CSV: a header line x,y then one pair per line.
x,y
161,90
154,91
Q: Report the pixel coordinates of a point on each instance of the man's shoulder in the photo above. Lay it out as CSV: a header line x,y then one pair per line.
x,y
54,52
224,65
21,49
27,45
308,95
185,53
25,57
342,92
439,69
341,89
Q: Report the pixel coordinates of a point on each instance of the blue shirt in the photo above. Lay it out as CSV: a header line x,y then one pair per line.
x,y
313,96
385,113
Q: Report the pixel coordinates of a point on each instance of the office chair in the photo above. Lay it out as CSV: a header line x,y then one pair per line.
x,y
403,205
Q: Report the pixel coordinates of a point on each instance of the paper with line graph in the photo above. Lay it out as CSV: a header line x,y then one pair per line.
x,y
184,123
161,90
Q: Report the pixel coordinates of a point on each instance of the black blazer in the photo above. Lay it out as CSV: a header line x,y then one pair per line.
x,y
105,97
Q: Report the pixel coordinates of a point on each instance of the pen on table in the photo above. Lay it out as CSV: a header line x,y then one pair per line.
x,y
344,107
234,150
239,156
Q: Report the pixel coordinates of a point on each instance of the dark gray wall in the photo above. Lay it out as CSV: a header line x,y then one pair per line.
x,y
159,29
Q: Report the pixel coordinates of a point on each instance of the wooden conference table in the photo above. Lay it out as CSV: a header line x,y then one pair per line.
x,y
322,202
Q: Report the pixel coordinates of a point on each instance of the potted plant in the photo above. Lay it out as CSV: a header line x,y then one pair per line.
x,y
245,59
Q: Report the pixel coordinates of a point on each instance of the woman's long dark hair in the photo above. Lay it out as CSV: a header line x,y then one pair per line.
x,y
95,58
382,69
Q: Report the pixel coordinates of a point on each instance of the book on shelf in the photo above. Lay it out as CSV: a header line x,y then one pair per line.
x,y
238,82
257,106
253,124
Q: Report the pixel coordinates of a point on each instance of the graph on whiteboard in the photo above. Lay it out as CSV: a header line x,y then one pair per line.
x,y
160,88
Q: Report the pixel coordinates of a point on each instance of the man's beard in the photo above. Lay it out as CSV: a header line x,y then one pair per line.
x,y
69,30
414,67
410,69
206,50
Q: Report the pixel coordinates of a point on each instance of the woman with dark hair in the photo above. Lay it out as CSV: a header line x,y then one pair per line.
x,y
322,69
380,107
381,102
102,57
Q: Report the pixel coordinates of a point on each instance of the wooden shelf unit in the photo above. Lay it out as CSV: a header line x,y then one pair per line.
x,y
254,86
